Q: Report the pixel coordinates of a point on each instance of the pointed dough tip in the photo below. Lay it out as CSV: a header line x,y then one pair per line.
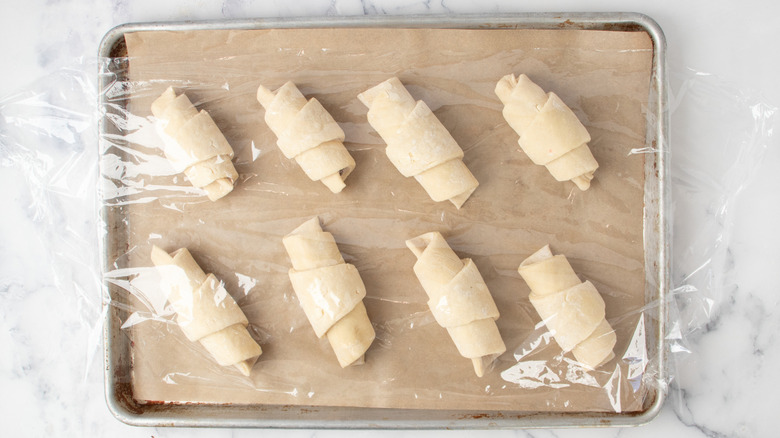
x,y
364,99
168,95
479,367
418,244
583,181
505,86
367,97
359,361
334,182
161,103
310,226
160,256
393,82
218,189
461,199
246,366
264,96
482,364
543,253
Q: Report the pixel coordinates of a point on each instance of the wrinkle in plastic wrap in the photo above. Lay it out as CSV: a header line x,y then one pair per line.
x,y
48,134
412,363
720,134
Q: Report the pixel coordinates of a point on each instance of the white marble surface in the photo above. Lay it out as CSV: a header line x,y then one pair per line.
x,y
727,385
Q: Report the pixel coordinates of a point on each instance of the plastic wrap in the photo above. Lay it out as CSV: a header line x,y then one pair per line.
x,y
517,208
720,133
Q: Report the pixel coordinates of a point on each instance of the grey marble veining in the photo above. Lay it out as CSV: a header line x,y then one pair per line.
x,y
726,381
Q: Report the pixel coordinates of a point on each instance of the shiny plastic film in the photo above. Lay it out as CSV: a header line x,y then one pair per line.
x,y
262,247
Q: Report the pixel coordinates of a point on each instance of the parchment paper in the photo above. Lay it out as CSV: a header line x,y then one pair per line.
x,y
603,76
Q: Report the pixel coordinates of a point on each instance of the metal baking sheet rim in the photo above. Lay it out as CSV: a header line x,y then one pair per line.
x,y
657,240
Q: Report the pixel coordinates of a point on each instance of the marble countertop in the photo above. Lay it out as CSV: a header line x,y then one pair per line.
x,y
723,85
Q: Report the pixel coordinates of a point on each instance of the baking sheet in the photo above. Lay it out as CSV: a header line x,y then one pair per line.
x,y
603,76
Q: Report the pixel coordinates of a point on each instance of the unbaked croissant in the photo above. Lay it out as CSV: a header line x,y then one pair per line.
x,y
330,292
572,310
205,311
459,299
418,144
307,133
550,133
199,149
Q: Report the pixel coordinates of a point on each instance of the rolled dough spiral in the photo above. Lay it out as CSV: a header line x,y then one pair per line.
x,y
307,133
459,299
550,133
418,144
572,310
330,291
199,149
205,311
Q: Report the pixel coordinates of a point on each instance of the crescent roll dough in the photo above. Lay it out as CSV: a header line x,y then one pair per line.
x,y
459,299
550,133
205,311
572,310
308,133
330,291
199,149
417,143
